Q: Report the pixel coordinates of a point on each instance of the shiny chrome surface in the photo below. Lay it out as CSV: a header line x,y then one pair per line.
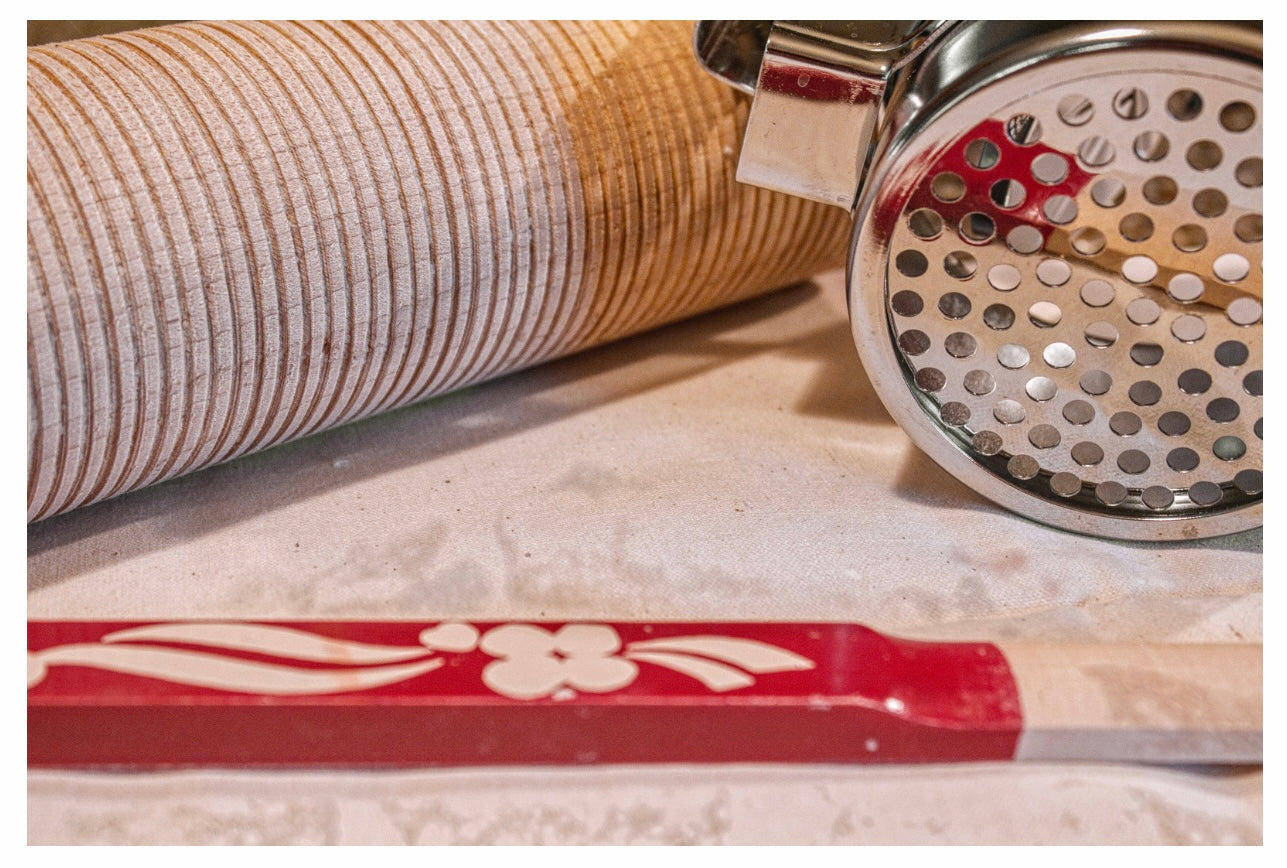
x,y
1056,288
1056,277
819,89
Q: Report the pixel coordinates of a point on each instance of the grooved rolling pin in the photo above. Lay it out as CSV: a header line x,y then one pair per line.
x,y
243,233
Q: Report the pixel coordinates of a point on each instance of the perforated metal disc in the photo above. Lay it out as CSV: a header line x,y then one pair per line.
x,y
1057,290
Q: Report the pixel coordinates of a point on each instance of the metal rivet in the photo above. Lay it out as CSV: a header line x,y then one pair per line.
x,y
1173,423
1157,497
954,413
913,342
1145,393
1087,454
1222,410
1097,293
1041,388
1008,412
1133,462
907,303
1012,356
1229,448
1110,493
1023,466
1124,423
1095,382
979,382
960,345
1079,412
1205,493
1065,484
954,305
987,443
930,379
1182,460
998,317
1024,239
1259,429
1004,277
1044,436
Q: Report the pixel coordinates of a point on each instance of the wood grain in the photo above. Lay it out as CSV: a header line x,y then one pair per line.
x,y
243,233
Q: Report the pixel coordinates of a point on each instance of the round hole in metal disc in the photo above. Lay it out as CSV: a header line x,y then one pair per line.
x,y
1023,467
1173,423
1229,448
1110,492
1087,454
1184,104
1157,497
1079,412
1075,110
1065,484
1205,493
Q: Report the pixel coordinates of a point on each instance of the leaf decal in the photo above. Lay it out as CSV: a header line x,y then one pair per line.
x,y
277,641
200,669
716,676
751,655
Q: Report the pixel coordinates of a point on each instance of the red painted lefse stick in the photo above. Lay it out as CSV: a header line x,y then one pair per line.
x,y
393,693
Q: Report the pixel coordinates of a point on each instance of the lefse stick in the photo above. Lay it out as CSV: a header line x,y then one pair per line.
x,y
400,693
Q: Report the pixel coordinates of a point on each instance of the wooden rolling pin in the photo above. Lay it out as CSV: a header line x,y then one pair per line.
x,y
243,233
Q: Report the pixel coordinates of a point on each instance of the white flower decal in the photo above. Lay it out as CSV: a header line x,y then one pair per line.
x,y
533,662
